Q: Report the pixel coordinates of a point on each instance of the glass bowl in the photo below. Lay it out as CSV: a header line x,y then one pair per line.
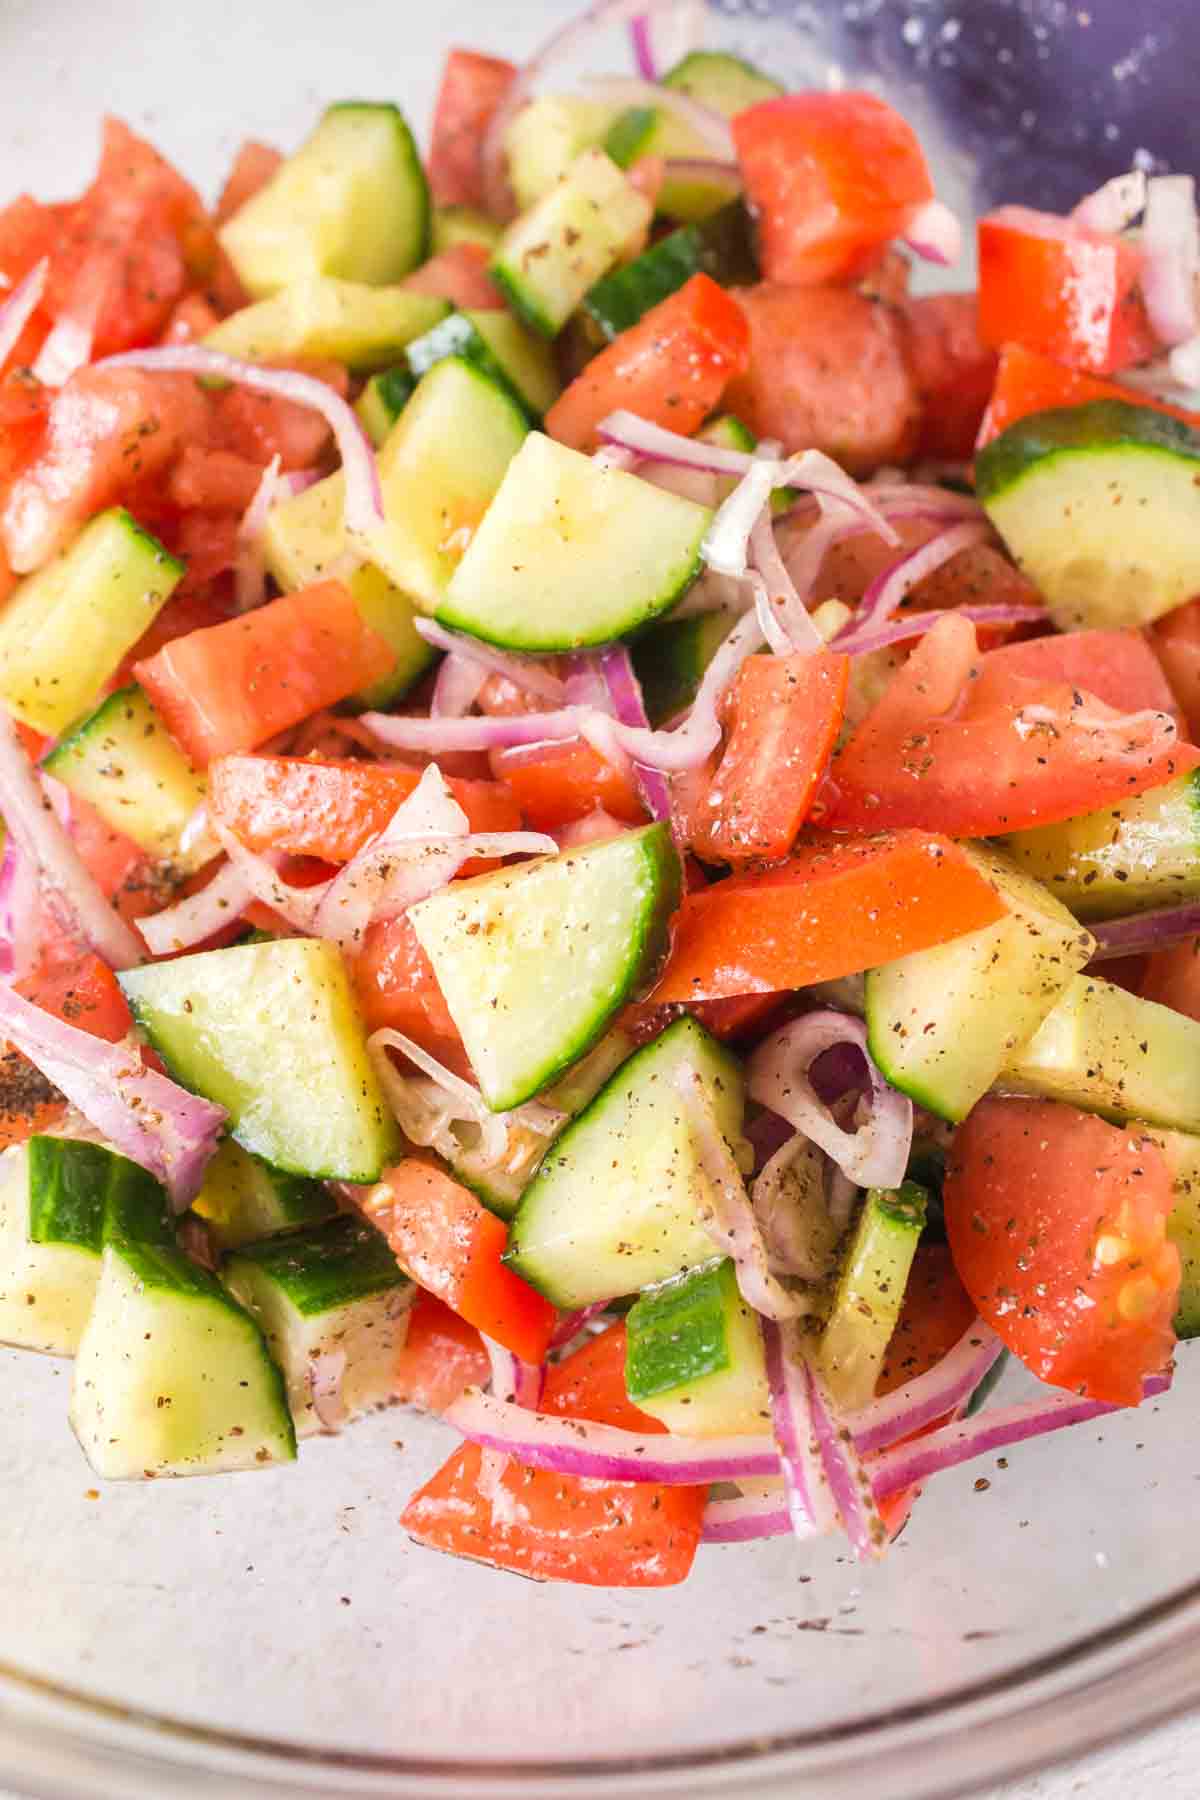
x,y
276,1633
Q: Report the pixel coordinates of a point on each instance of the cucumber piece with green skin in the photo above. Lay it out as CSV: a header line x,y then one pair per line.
x,y
304,541
51,1235
124,762
670,659
629,134
502,348
721,247
243,1199
383,399
534,960
942,1023
1100,506
727,83
619,1204
1112,1053
352,202
65,630
1143,853
546,137
351,322
694,1355
870,1293
171,1377
435,495
571,553
454,225
552,254
1182,1152
336,1291
271,1032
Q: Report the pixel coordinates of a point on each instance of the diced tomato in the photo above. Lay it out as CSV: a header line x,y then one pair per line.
x,y
954,371
329,809
1175,640
555,784
472,88
560,1527
234,685
442,1355
253,167
670,368
836,907
1057,1222
1057,287
937,1310
460,275
191,320
828,371
785,713
960,743
1119,667
213,480
24,409
207,543
395,986
1172,978
450,1244
79,988
1027,382
734,1020
831,178
108,429
260,426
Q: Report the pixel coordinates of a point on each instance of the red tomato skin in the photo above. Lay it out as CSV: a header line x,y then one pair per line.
x,y
827,371
459,275
1027,382
1119,667
954,372
441,1357
395,986
830,178
472,88
1172,978
253,166
671,368
260,426
1070,293
1057,1224
1175,641
557,784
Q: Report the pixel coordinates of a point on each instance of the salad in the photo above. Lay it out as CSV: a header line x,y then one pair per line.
x,y
601,828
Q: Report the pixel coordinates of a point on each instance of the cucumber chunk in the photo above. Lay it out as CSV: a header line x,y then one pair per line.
x,y
243,1199
270,1031
571,553
502,348
618,1204
353,323
546,137
670,659
305,541
694,1355
123,761
171,1378
434,493
720,247
51,1235
65,629
870,1292
352,202
333,1291
453,225
1111,1053
534,960
1182,1152
942,1023
1100,506
551,255
383,399
1143,853
727,83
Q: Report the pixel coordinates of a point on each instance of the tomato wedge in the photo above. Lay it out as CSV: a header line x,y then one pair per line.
x,y
253,166
836,907
1057,1222
831,179
1172,977
954,371
451,1244
937,1310
556,784
395,986
472,88
234,685
1057,287
1175,641
559,1527
961,743
670,368
1119,667
785,714
1027,382
442,1355
460,275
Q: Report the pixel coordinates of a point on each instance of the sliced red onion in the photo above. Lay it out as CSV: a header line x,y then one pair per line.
x,y
896,498
31,819
326,1372
987,1432
195,1240
437,737
934,1395
519,1383
810,1504
626,431
1113,207
572,1323
779,603
459,684
142,1113
860,643
643,48
1184,366
847,1477
20,888
625,695
747,1518
250,565
606,1452
797,1242
524,671
613,456
725,1210
1143,933
779,1076
364,494
428,1110
20,307
67,349
936,234
708,124
1171,253
894,585
198,916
